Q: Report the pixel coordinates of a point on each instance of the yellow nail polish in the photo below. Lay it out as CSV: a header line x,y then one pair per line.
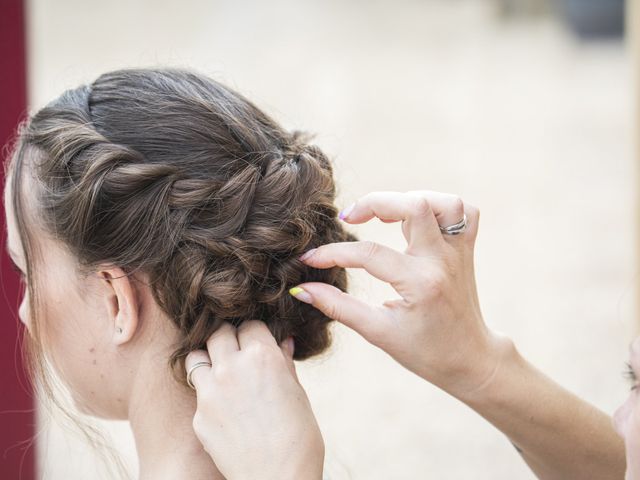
x,y
301,294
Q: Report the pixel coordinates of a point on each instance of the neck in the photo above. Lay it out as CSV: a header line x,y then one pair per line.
x,y
161,414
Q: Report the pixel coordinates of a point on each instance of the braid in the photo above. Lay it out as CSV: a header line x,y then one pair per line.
x,y
171,173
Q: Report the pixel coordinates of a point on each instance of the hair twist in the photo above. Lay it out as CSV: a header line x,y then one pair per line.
x,y
170,173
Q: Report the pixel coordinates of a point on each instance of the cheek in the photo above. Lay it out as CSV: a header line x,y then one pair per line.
x,y
622,416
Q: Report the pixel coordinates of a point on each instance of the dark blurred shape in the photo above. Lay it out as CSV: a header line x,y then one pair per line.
x,y
17,456
594,18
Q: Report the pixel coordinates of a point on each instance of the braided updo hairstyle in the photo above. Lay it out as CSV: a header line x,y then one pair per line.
x,y
168,172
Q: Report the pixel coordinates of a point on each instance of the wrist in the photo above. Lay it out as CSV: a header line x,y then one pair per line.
x,y
306,472
487,371
308,468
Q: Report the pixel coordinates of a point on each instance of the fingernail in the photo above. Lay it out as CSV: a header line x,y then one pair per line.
x,y
307,254
301,294
345,213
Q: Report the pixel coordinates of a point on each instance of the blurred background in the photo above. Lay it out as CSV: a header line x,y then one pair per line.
x,y
526,109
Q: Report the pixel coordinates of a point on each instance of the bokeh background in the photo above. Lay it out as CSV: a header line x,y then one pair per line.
x,y
526,109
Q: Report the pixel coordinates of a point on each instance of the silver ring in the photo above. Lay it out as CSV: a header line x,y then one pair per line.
x,y
192,369
456,228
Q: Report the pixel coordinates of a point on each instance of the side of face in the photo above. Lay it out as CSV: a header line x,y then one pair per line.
x,y
627,418
87,324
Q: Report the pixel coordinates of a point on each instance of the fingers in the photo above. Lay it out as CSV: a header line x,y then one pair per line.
x,y
447,207
368,320
421,211
288,348
198,375
255,331
473,222
222,342
382,262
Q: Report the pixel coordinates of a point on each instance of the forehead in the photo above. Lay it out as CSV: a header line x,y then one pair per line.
x,y
13,240
634,348
37,240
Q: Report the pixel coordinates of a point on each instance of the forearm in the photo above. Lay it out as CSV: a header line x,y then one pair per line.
x,y
559,435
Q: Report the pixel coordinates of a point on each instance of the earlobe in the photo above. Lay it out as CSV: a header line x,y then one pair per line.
x,y
122,299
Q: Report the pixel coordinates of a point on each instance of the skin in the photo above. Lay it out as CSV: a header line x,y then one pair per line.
x,y
559,435
255,418
108,347
110,343
552,428
111,350
627,417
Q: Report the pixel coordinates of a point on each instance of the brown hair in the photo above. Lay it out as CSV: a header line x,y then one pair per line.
x,y
170,173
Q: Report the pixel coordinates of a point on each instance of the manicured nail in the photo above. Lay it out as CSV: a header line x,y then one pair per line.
x,y
345,213
301,294
291,345
307,254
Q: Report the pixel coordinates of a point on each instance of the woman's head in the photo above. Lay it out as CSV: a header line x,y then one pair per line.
x,y
162,191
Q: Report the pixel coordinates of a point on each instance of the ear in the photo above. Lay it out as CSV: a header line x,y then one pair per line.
x,y
122,304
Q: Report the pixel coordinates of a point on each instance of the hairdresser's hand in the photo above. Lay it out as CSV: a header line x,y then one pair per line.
x,y
436,328
253,416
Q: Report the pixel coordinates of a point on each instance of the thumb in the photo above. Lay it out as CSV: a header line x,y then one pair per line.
x,y
368,320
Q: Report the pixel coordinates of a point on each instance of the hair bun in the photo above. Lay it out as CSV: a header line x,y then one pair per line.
x,y
177,176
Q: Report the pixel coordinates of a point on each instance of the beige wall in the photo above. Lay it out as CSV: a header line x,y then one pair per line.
x,y
633,42
519,119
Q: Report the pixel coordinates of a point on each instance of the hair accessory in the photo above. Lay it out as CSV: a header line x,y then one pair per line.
x,y
456,228
192,369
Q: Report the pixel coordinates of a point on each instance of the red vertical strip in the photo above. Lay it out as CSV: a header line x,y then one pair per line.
x,y
17,459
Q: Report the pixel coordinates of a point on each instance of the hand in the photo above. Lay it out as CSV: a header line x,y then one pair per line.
x,y
436,328
253,417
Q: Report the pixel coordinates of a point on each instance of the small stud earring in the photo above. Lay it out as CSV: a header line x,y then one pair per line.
x,y
119,329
